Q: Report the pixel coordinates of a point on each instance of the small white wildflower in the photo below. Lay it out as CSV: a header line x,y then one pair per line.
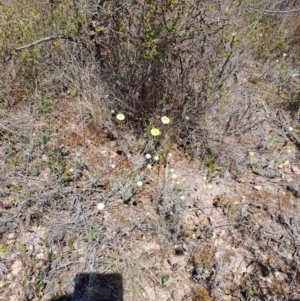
x,y
182,198
165,120
71,170
34,134
284,54
155,132
209,186
149,166
289,150
171,170
156,158
120,116
113,111
169,155
178,182
174,176
139,183
290,129
204,178
251,154
148,156
187,118
100,206
113,166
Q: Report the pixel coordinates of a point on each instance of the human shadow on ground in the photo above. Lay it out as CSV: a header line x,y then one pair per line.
x,y
95,287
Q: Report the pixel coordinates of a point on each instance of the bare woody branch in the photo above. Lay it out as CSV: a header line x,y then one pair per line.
x,y
275,11
44,40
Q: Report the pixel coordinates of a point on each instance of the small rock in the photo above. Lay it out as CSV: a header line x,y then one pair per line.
x,y
11,236
103,183
175,295
16,267
294,189
81,260
295,169
14,297
257,187
39,264
250,268
79,244
266,279
104,152
64,151
44,158
151,247
185,247
42,256
33,279
280,276
284,164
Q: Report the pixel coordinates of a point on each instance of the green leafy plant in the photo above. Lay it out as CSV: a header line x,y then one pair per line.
x,y
228,208
17,161
174,266
250,291
22,247
211,163
3,250
44,105
70,245
38,285
92,232
163,281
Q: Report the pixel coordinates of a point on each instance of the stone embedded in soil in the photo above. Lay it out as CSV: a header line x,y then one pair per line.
x,y
79,244
295,169
175,295
16,267
42,256
294,189
11,236
151,247
104,183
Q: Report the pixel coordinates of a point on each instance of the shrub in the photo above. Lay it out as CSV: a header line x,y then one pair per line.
x,y
160,57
